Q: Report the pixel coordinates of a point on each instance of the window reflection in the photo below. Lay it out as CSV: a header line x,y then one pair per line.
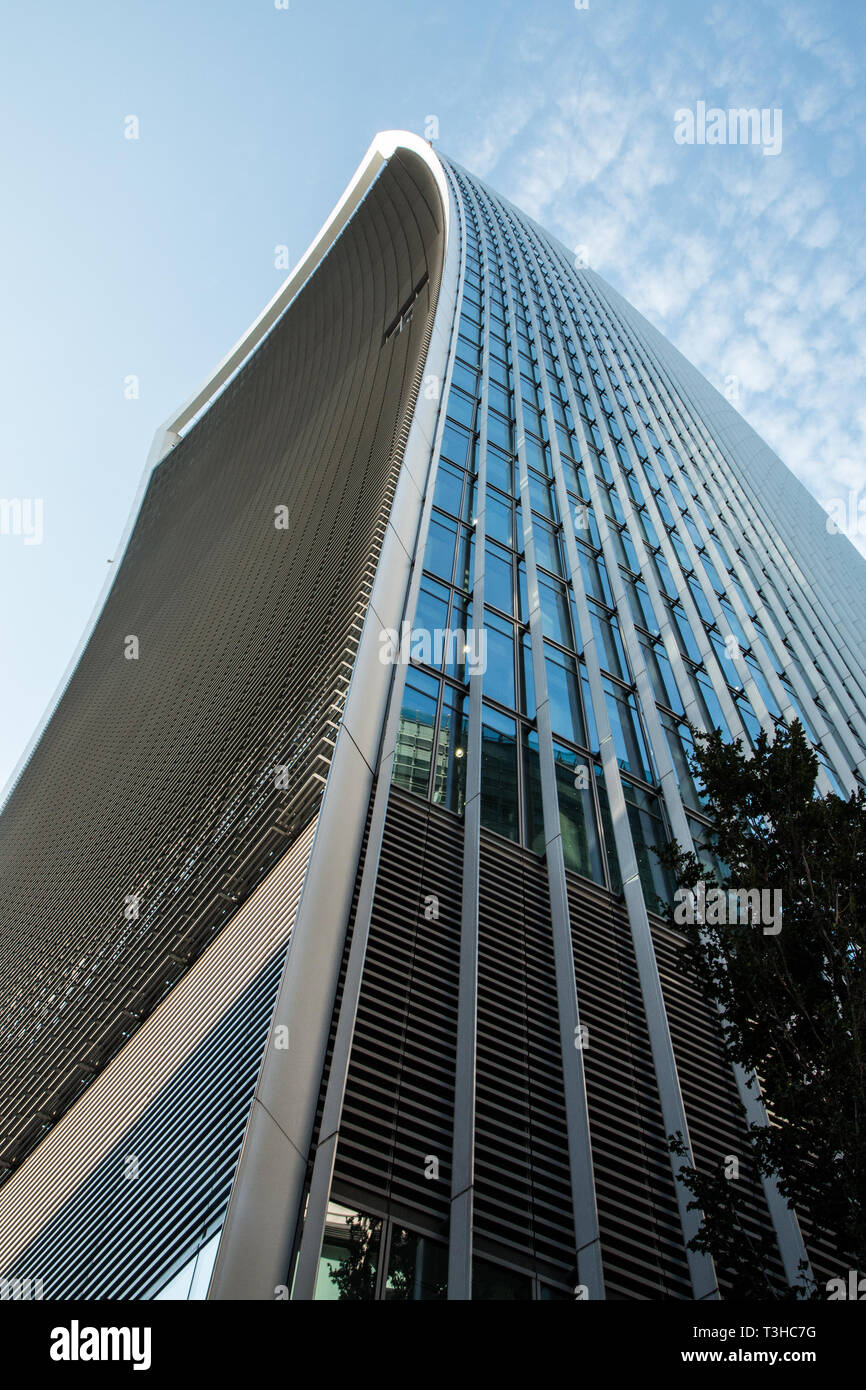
x,y
350,1256
414,749
499,800
449,786
647,829
628,740
580,840
417,1268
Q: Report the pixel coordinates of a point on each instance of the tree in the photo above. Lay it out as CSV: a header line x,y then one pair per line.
x,y
791,987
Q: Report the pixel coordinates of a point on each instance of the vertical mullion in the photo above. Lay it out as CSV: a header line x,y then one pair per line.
x,y
587,1238
701,1266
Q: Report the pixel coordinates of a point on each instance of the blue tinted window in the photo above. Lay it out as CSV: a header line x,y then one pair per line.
x,y
449,488
499,519
628,740
455,444
547,547
432,609
499,676
554,611
439,554
563,689
499,579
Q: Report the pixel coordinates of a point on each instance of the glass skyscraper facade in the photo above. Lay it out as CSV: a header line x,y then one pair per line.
x,y
458,1034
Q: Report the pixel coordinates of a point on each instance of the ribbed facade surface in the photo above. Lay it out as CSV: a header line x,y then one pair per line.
x,y
470,436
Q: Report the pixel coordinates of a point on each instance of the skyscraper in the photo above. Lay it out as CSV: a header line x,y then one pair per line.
x,y
333,964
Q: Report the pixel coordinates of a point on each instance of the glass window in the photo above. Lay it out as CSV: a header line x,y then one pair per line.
x,y
682,748
439,553
563,689
541,497
522,591
461,408
350,1255
548,551
417,1268
647,830
499,676
735,624
432,610
449,782
533,813
527,677
628,740
702,835
499,800
753,724
614,875
538,455
686,638
639,603
413,754
665,577
499,519
555,622
701,601
455,444
192,1280
608,642
453,647
661,676
466,379
499,579
499,431
498,371
708,703
580,841
500,472
448,493
465,555
595,576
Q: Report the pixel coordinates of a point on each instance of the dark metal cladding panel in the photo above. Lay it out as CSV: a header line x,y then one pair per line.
x,y
641,1238
523,1208
155,778
398,1110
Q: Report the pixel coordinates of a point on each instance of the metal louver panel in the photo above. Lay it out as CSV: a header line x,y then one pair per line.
x,y
522,1186
640,1229
78,1214
400,1090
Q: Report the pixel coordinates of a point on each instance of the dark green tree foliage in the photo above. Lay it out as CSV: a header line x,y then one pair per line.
x,y
793,1001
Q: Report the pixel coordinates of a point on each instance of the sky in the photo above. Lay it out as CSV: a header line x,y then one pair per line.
x,y
129,266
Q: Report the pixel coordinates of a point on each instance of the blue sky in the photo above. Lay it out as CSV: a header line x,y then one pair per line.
x,y
150,257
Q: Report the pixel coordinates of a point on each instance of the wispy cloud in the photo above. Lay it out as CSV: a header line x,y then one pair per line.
x,y
755,267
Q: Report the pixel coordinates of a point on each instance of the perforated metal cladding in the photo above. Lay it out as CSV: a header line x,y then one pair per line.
x,y
522,1188
155,777
715,1114
399,1101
